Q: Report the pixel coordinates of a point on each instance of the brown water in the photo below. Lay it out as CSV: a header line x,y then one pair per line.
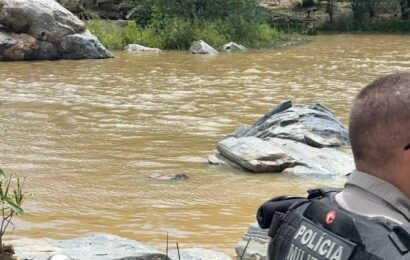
x,y
88,134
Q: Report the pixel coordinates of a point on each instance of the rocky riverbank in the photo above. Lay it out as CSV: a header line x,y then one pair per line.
x,y
98,246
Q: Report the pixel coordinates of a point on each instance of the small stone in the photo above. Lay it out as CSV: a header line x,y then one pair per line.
x,y
169,177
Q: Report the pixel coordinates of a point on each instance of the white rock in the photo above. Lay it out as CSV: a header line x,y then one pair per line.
x,y
136,48
201,47
232,46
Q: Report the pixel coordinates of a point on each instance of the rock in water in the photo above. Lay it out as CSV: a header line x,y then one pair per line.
x,y
169,177
201,47
136,48
231,47
314,125
288,156
289,139
255,154
44,30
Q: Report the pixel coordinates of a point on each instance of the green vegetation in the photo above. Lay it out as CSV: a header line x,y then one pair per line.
x,y
11,205
361,15
178,34
175,24
375,25
171,24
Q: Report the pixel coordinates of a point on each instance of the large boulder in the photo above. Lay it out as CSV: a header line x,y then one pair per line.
x,y
314,125
201,47
298,140
43,29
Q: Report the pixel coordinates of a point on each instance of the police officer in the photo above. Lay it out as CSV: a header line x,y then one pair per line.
x,y
370,218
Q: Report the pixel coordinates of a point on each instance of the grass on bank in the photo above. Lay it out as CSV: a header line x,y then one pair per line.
x,y
178,34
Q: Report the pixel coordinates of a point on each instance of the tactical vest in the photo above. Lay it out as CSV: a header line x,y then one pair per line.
x,y
316,228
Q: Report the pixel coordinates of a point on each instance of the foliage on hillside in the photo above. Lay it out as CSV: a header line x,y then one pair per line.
x,y
361,15
172,24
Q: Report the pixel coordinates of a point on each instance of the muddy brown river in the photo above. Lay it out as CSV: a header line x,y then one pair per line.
x,y
88,134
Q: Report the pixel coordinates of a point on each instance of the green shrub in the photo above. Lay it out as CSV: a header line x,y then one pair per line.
x,y
110,34
144,36
178,33
212,33
175,33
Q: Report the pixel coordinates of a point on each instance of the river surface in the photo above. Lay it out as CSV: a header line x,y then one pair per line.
x,y
88,134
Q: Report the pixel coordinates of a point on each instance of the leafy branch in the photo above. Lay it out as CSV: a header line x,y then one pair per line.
x,y
11,199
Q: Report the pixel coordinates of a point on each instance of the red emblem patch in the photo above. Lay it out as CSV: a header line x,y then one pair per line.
x,y
330,217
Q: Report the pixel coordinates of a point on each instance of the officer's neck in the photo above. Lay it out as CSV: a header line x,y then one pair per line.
x,y
397,174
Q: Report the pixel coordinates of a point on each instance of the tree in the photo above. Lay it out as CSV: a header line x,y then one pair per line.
x,y
359,10
330,9
405,9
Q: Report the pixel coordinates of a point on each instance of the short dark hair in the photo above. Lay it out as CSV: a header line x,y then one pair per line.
x,y
380,120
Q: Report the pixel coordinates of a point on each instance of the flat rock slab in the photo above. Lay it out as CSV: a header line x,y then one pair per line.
x,y
314,125
99,246
199,254
255,154
254,244
91,247
287,156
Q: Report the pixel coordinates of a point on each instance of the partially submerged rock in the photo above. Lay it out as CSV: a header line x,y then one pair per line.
x,y
254,244
255,154
232,47
314,125
201,47
169,177
44,30
136,48
289,139
287,156
93,246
